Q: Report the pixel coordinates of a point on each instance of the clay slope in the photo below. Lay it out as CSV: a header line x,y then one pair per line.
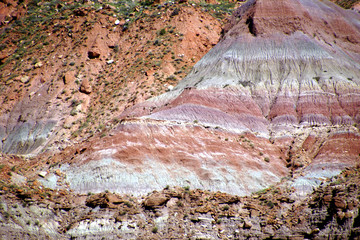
x,y
279,95
68,69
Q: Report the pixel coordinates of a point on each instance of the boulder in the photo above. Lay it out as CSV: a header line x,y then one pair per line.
x,y
247,224
339,202
155,200
93,54
85,87
69,77
103,200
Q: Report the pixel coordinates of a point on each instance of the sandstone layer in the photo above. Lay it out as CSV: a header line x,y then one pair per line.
x,y
284,73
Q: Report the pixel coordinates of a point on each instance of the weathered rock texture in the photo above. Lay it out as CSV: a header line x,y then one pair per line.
x,y
286,73
42,101
284,63
141,157
330,212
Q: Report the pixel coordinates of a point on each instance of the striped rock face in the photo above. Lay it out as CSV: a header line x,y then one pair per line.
x,y
279,95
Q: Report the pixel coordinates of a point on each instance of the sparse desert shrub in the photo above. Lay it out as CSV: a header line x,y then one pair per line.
x,y
162,32
154,230
179,203
316,78
171,78
128,204
73,112
270,204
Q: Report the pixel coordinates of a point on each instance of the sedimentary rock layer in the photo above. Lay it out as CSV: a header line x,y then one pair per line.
x,y
293,75
141,157
284,70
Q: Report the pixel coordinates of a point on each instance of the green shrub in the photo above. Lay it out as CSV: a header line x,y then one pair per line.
x,y
162,32
225,208
73,112
154,230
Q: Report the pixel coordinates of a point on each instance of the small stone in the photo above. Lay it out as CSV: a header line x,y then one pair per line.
x,y
80,12
42,174
204,209
58,172
18,179
24,79
38,64
341,215
351,205
254,213
172,202
85,87
97,200
8,82
247,224
117,22
339,202
349,214
69,77
327,199
315,231
93,54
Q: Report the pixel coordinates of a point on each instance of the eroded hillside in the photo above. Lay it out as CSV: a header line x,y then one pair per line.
x,y
70,69
161,120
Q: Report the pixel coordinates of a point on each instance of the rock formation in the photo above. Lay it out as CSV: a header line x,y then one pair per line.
x,y
330,212
280,91
42,107
259,141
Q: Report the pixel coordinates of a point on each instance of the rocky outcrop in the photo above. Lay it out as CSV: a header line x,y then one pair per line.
x,y
271,114
332,212
283,73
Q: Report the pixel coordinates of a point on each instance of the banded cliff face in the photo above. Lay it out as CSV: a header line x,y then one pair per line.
x,y
279,95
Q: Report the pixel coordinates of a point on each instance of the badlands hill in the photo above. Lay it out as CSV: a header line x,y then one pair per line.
x,y
264,127
278,96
